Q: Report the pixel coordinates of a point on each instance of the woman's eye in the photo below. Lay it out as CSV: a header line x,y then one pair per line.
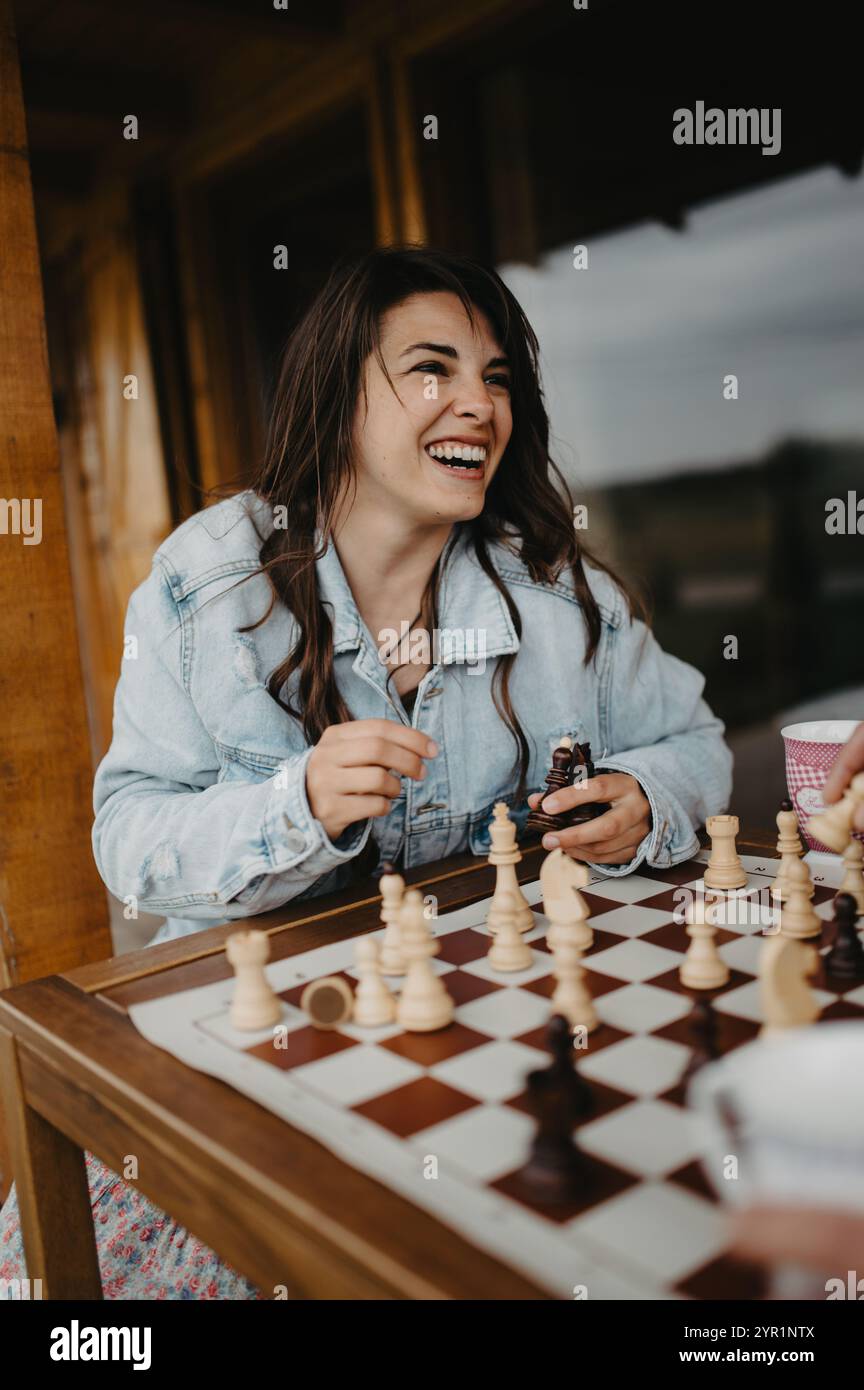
x,y
497,379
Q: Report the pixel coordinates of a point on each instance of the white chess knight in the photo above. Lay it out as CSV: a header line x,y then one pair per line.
x,y
724,867
703,967
424,1004
787,999
504,856
374,1005
392,886
833,826
255,1004
560,879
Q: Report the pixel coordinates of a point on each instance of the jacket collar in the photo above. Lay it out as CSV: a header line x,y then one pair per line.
x,y
473,617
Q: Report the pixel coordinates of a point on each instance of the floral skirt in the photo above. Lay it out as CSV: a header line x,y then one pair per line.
x,y
143,1253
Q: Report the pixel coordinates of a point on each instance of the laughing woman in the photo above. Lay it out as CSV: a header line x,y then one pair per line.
x,y
271,739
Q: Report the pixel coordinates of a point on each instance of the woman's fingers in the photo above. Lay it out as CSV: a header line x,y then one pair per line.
x,y
849,760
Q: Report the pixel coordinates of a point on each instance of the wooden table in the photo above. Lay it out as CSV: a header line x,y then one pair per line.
x,y
272,1202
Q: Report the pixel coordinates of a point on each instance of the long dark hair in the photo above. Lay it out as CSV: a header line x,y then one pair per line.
x,y
309,458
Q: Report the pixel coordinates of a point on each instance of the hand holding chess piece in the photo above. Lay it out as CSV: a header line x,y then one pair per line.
x,y
849,760
833,827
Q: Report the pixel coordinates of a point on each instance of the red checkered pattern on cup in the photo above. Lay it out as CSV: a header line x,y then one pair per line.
x,y
807,768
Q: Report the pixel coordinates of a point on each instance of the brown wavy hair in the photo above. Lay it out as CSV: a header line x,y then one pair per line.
x,y
309,458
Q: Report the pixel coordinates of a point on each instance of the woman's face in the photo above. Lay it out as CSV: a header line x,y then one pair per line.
x,y
453,385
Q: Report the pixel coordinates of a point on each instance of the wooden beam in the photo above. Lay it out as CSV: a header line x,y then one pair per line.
x,y
307,24
53,904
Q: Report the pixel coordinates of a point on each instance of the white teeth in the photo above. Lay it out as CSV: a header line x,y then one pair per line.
x,y
467,453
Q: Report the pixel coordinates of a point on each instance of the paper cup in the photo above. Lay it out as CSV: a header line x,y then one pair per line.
x,y
811,750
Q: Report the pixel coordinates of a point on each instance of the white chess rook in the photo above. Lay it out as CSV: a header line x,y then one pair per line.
x,y
724,867
504,856
255,1004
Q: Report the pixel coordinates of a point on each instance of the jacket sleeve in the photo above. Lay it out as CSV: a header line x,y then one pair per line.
x,y
663,733
168,837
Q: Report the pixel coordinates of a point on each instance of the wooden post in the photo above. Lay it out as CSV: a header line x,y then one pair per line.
x,y
53,906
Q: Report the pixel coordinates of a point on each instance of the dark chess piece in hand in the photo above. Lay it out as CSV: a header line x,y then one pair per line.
x,y
557,1172
557,777
703,1031
581,769
845,960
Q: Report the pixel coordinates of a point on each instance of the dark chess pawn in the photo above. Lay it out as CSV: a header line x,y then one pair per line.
x,y
556,1171
558,776
702,1024
845,960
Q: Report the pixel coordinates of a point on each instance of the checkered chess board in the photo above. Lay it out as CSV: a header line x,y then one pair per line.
x,y
441,1117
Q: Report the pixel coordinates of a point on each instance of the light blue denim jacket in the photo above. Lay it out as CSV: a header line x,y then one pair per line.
x,y
200,802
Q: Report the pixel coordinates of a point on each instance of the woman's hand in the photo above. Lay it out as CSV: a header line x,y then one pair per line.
x,y
350,774
612,838
849,760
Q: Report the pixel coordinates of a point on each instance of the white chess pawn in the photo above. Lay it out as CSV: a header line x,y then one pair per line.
x,y
853,877
797,918
374,1005
509,951
392,886
724,867
424,1004
504,856
703,967
833,826
571,997
789,846
255,1004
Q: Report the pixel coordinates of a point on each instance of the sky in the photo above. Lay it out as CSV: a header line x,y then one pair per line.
x,y
767,284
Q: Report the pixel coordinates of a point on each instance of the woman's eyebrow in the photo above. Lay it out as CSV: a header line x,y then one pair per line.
x,y
447,351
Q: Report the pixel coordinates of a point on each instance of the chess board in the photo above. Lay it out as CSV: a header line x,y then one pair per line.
x,y
441,1118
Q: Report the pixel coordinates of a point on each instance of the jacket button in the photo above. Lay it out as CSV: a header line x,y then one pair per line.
x,y
296,841
437,690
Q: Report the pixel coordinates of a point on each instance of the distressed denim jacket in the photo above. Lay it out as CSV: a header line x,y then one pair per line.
x,y
200,803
